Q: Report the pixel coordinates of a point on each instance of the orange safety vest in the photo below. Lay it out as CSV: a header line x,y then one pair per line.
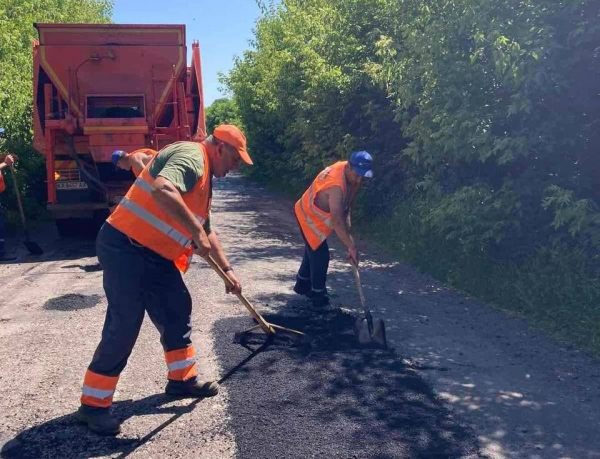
x,y
316,224
141,218
184,261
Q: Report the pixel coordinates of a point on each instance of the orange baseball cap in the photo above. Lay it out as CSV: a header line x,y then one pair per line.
x,y
232,135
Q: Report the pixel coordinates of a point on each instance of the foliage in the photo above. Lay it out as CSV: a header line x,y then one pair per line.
x,y
482,117
16,81
222,111
580,217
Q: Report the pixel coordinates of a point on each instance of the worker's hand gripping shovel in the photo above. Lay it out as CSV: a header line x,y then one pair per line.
x,y
370,331
269,328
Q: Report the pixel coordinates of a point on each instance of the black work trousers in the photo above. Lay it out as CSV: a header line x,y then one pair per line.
x,y
136,280
2,232
312,275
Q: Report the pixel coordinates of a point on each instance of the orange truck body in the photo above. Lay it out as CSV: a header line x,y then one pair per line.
x,y
98,88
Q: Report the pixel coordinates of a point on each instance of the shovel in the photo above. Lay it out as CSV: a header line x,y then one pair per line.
x,y
28,243
272,331
370,332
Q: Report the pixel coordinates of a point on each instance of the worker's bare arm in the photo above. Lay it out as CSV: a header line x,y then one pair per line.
x,y
218,254
336,206
138,161
352,194
169,199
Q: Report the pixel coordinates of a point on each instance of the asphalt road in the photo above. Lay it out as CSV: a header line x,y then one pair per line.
x,y
461,380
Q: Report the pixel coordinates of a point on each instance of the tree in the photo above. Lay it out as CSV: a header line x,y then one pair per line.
x,y
483,120
16,80
222,111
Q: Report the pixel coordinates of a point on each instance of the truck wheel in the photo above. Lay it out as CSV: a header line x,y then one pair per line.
x,y
69,227
86,228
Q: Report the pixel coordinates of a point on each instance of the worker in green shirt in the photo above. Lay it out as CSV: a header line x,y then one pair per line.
x,y
164,215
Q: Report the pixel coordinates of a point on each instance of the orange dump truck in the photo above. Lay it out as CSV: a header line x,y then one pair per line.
x,y
100,88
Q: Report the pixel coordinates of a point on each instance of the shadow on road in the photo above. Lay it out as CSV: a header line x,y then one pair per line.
x,y
328,398
63,437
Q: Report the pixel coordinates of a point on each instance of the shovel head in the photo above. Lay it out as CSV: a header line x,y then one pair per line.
x,y
371,337
378,335
363,331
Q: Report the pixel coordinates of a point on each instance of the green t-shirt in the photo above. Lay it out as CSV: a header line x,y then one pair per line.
x,y
182,164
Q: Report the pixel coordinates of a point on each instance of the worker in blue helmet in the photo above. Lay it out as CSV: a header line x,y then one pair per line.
x,y
135,161
323,209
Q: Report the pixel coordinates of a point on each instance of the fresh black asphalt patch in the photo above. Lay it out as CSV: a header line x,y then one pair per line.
x,y
329,398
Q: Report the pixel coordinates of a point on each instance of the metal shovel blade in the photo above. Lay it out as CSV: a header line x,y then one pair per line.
x,y
363,331
370,331
378,334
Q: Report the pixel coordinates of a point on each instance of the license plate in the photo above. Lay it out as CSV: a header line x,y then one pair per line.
x,y
71,185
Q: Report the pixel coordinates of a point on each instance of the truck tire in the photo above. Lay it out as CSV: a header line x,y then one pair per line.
x,y
70,227
81,227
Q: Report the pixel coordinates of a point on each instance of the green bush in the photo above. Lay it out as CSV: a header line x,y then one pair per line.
x,y
16,82
222,111
483,121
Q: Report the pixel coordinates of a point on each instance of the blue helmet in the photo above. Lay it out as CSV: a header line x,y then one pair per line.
x,y
117,155
362,163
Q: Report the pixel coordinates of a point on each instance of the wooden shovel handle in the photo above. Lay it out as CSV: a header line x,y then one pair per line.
x,y
266,327
18,194
358,284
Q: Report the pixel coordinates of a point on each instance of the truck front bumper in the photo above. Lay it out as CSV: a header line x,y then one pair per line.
x,y
79,210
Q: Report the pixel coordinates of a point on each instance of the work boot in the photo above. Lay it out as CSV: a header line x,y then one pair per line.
x,y
98,420
192,388
302,287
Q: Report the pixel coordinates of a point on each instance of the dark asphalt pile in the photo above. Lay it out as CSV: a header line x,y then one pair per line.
x,y
72,301
331,399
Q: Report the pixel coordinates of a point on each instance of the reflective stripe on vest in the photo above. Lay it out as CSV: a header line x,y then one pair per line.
x,y
155,222
147,187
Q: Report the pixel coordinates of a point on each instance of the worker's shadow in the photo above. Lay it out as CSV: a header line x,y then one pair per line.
x,y
64,437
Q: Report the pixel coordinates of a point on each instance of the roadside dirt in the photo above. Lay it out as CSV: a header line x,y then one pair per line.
x,y
462,380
